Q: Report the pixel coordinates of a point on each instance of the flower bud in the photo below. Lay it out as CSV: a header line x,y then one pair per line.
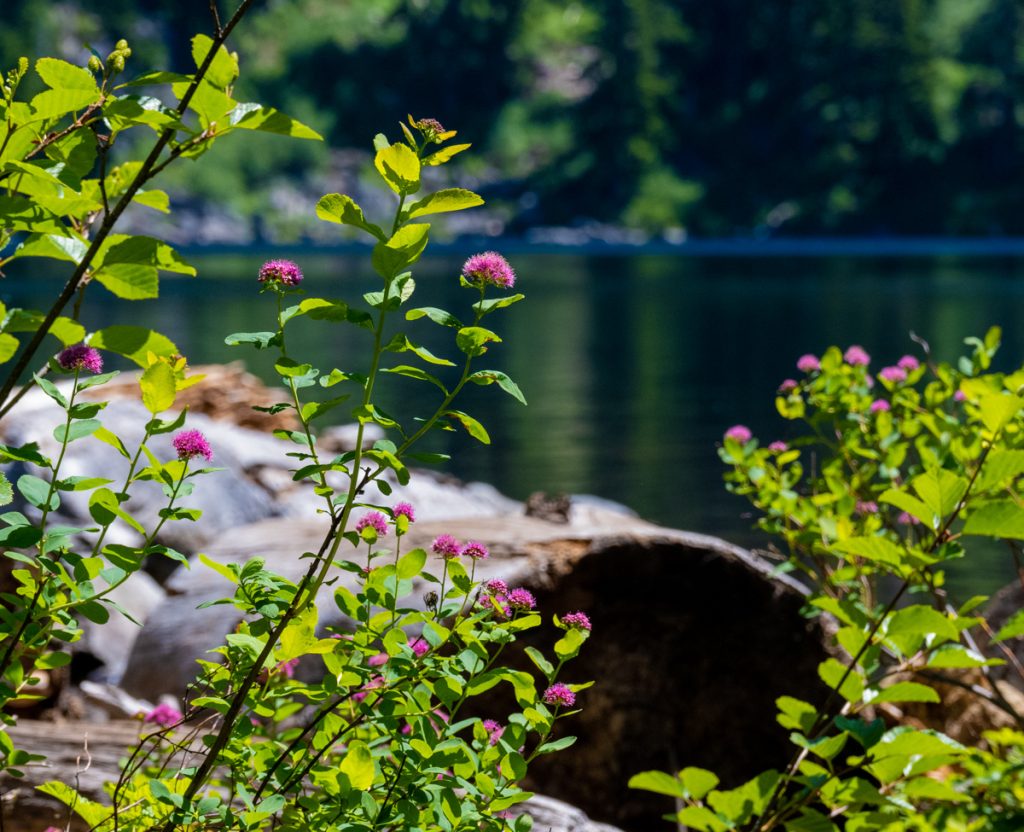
x,y
121,45
116,62
95,64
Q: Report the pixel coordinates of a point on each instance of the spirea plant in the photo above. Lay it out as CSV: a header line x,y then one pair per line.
x,y
894,475
377,733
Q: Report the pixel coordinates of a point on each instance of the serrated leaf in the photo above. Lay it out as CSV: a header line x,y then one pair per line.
x,y
902,692
223,69
1014,628
8,347
358,765
996,518
878,549
6,491
58,74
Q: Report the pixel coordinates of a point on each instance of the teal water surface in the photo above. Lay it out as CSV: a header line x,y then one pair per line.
x,y
633,365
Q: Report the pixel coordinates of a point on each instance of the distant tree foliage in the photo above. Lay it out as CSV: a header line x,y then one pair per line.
x,y
844,116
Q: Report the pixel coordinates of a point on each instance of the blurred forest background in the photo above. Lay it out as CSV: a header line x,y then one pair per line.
x,y
661,118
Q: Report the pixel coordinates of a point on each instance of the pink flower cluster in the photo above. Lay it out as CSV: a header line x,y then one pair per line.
x,y
489,267
404,510
741,433
192,443
894,374
80,357
908,363
880,406
163,715
559,695
373,520
283,272
856,356
778,446
505,601
494,731
808,363
448,547
576,621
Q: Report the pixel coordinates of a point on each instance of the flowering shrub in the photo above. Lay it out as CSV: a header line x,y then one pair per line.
x,y
893,476
380,735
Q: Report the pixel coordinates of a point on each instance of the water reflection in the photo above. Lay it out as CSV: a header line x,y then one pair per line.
x,y
633,365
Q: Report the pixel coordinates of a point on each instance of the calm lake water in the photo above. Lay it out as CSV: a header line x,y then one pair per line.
x,y
632,365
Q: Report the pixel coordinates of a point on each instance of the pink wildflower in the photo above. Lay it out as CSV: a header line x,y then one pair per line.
x,y
559,694
576,621
808,363
741,433
856,356
163,715
446,546
908,363
907,519
192,443
377,660
893,374
80,357
778,446
787,385
419,646
864,507
287,668
404,510
959,396
373,520
880,406
494,731
496,603
496,586
284,272
475,549
521,599
489,267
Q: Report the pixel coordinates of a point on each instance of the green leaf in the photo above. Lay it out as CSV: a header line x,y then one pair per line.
x,y
398,164
472,426
358,765
158,387
502,380
998,409
914,507
901,692
133,342
411,564
223,69
908,628
104,507
556,745
402,250
140,250
832,670
1002,466
6,491
342,209
445,154
77,430
473,340
940,490
260,340
8,347
996,518
489,305
744,803
129,281
416,373
268,120
37,492
1014,628
796,714
878,549
438,316
93,813
56,103
58,74
449,199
